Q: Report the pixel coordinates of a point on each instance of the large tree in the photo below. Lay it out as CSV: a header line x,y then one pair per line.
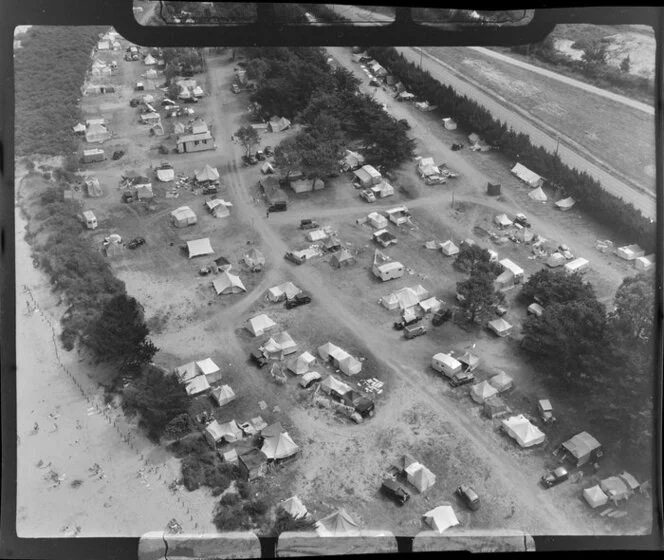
x,y
556,286
469,256
479,295
157,397
570,335
287,157
634,308
120,334
248,137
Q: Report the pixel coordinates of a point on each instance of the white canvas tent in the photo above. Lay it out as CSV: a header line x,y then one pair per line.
x,y
186,372
377,220
430,305
595,496
294,507
630,252
538,194
302,364
277,124
219,208
183,216
367,175
279,447
576,265
482,391
223,395
197,385
644,263
316,235
502,220
338,524
555,260
149,60
565,204
165,174
228,283
207,174
519,428
420,477
527,176
207,366
199,247
352,160
615,488
449,123
501,382
332,385
287,290
229,431
441,518
500,327
285,342
260,324
448,248
97,133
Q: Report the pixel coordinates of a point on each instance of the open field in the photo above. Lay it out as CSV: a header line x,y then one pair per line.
x,y
418,412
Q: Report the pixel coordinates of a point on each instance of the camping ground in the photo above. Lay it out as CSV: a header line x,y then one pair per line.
x,y
418,412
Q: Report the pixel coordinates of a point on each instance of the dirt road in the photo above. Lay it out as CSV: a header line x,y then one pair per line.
x,y
533,504
540,133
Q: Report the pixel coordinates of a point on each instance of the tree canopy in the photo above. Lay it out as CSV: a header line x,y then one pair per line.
x,y
479,295
248,137
469,256
157,397
556,286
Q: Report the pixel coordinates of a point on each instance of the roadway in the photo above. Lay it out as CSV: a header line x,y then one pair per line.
x,y
555,141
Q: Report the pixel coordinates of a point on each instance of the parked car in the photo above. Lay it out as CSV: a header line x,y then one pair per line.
x,y
190,100
555,477
289,256
364,406
522,220
135,243
249,159
462,378
127,197
415,330
546,411
260,155
235,88
258,358
299,299
403,323
501,310
469,496
392,489
441,316
308,224
210,189
309,378
368,195
134,102
278,207
374,83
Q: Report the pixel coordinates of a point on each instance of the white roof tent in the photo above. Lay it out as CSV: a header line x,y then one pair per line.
x,y
527,176
199,247
512,267
367,175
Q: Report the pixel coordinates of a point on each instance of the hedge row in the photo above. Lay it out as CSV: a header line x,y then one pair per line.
x,y
472,117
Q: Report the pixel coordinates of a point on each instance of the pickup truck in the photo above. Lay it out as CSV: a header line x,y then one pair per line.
x,y
308,224
368,195
403,323
441,316
290,256
299,299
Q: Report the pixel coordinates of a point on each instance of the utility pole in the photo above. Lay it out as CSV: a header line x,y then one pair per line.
x,y
557,143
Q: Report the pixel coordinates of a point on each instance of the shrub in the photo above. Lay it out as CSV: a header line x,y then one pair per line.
x,y
243,488
230,518
193,475
230,499
179,426
256,507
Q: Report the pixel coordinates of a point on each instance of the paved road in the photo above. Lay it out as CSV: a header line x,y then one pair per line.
x,y
570,152
648,109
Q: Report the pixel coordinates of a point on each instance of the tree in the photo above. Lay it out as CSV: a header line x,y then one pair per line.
x,y
594,53
157,397
626,65
556,286
572,335
120,333
248,137
634,308
479,295
178,427
284,521
471,255
287,157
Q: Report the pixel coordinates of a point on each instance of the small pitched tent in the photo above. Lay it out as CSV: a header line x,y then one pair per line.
x,y
279,447
332,385
500,327
218,208
576,265
503,221
294,507
469,361
285,342
207,367
254,258
339,524
555,260
302,364
198,384
565,204
449,123
207,175
377,220
229,431
482,391
501,382
144,192
97,133
228,283
223,395
441,518
644,263
582,448
149,60
165,173
630,252
538,194
342,258
186,372
420,477
183,217
448,248
519,428
595,496
495,407
615,489
527,176
260,324
199,247
277,124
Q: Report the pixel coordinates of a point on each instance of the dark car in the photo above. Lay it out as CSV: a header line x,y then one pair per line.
x,y
441,316
308,224
403,323
415,330
556,476
127,197
461,378
135,243
392,489
289,256
364,406
278,207
134,102
258,358
469,496
210,189
299,299
190,100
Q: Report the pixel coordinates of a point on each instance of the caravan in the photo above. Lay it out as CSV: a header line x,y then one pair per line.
x,y
88,219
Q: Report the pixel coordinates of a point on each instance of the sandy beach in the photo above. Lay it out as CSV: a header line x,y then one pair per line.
x,y
85,471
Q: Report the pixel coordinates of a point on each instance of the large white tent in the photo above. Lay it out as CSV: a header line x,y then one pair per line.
x,y
287,290
302,364
501,382
338,524
260,324
223,395
448,248
294,507
280,446
519,428
482,391
228,283
538,194
197,385
595,496
207,174
199,247
441,518
527,176
420,477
